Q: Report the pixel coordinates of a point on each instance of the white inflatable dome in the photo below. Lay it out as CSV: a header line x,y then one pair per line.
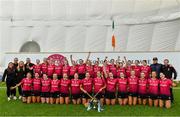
x,y
86,25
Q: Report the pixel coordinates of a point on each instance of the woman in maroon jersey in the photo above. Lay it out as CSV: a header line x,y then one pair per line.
x,y
36,89
120,69
142,89
26,84
111,84
65,88
45,89
37,67
132,88
82,66
75,89
165,95
54,93
86,87
99,84
153,89
122,89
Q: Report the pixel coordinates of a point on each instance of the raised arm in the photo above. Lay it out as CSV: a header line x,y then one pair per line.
x,y
72,60
88,57
125,61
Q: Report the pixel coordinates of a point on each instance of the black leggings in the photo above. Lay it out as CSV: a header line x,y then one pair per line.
x,y
9,84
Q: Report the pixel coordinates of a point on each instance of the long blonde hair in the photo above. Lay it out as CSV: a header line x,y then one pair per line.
x,y
21,63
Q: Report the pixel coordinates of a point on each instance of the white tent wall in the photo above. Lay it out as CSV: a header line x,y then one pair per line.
x,y
85,25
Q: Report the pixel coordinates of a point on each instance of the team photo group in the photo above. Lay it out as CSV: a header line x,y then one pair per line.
x,y
97,83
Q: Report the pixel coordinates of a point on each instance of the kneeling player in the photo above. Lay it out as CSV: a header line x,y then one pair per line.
x,y
75,89
153,90
142,89
133,88
86,87
26,88
45,89
65,89
36,89
55,90
165,95
122,89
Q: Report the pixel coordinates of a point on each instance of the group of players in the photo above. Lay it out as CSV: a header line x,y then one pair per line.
x,y
115,81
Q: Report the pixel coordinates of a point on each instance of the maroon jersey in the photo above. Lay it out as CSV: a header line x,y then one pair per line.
x,y
50,70
96,69
46,85
133,84
111,84
66,70
142,86
146,70
98,84
75,86
82,69
58,70
36,84
137,70
128,71
26,84
55,84
89,69
165,85
121,70
73,70
153,86
37,69
112,69
122,85
87,84
64,86
44,68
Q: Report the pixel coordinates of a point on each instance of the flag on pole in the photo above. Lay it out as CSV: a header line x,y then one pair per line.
x,y
113,37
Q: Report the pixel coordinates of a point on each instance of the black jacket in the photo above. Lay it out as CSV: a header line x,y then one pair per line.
x,y
169,71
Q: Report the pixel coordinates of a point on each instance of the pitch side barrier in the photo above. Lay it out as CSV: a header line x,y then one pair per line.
x,y
174,57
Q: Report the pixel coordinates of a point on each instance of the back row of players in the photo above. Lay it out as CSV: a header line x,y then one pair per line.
x,y
133,83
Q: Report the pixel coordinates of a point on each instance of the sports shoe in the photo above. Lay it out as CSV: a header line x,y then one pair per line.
x,y
8,98
14,98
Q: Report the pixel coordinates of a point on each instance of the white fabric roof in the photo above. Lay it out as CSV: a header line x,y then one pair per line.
x,y
85,25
